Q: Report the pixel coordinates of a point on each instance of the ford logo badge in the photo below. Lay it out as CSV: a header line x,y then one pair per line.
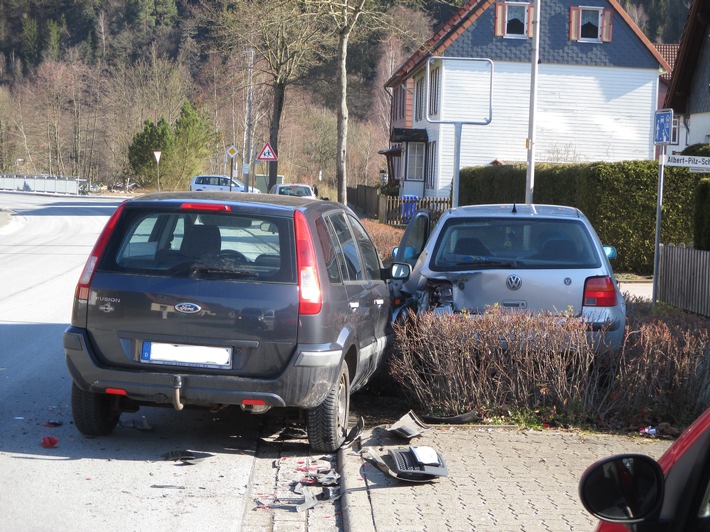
x,y
188,308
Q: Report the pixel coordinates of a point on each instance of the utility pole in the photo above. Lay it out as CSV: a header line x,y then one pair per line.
x,y
250,98
530,143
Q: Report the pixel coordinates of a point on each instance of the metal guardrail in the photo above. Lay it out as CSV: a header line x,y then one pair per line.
x,y
42,183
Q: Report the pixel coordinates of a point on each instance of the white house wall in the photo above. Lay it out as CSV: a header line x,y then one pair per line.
x,y
584,114
699,128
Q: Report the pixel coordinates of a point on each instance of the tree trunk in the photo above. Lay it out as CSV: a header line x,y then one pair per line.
x,y
341,158
279,97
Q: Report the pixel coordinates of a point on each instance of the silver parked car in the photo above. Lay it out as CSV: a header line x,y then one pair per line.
x,y
219,183
536,258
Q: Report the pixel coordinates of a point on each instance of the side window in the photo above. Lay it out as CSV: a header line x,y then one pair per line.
x,y
329,244
413,240
348,252
513,20
367,250
588,24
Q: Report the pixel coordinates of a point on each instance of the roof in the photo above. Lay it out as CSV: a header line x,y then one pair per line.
x,y
506,210
669,53
691,44
458,37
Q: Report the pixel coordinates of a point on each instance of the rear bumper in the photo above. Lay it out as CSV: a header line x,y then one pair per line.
x,y
304,384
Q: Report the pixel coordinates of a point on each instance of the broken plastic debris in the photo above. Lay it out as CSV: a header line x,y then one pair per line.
x,y
186,457
409,426
354,433
49,441
647,431
141,424
52,424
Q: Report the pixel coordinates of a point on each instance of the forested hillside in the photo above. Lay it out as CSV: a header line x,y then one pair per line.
x,y
88,86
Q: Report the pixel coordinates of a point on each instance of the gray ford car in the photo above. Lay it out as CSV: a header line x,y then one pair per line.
x,y
204,299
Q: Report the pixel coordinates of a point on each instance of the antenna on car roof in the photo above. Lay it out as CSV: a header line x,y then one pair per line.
x,y
515,211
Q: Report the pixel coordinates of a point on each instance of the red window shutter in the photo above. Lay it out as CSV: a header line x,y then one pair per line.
x,y
499,22
606,25
531,16
574,13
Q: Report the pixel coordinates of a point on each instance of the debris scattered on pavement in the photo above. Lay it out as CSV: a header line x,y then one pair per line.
x,y
140,424
52,424
647,431
416,464
354,433
49,441
167,486
409,426
186,457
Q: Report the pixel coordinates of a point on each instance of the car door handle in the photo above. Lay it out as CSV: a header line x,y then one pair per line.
x,y
354,305
379,302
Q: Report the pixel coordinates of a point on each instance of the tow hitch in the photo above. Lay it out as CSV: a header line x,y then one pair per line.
x,y
177,386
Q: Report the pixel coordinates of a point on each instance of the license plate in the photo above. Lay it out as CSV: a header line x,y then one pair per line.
x,y
186,355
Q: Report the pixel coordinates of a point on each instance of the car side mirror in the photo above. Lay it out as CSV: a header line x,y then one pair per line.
x,y
626,488
400,271
610,252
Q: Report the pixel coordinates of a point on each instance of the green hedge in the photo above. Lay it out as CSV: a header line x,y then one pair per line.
x,y
619,199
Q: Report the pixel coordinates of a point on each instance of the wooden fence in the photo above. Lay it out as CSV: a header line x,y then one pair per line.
x,y
684,278
392,210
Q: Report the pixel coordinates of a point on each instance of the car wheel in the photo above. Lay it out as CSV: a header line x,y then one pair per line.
x,y
92,412
328,423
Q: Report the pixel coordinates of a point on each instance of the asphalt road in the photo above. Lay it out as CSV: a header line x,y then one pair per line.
x,y
122,482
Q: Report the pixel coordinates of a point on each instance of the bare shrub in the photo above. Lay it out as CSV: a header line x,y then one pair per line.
x,y
663,371
522,362
450,364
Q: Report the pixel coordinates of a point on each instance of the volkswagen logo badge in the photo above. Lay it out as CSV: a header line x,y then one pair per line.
x,y
188,308
513,282
568,281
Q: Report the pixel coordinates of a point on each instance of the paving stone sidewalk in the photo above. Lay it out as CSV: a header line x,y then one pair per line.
x,y
500,479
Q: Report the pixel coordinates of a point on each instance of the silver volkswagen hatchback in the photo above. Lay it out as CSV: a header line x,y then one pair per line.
x,y
536,258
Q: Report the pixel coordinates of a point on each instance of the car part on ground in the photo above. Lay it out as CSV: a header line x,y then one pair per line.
x,y
209,300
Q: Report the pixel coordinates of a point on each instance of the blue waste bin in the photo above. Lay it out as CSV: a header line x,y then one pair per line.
x,y
409,206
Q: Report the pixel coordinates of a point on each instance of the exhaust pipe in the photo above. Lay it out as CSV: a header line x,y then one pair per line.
x,y
177,385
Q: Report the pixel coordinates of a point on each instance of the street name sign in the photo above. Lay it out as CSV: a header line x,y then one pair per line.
x,y
694,162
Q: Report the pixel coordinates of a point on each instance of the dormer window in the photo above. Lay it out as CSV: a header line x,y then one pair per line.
x,y
589,24
513,20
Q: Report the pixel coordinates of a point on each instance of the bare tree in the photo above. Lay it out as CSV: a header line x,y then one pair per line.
x,y
285,36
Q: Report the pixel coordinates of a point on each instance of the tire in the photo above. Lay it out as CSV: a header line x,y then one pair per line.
x,y
93,412
327,423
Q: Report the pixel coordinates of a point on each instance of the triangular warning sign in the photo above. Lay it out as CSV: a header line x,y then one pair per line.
x,y
267,153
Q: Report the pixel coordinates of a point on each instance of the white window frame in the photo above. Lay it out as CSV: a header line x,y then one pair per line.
x,y
604,23
431,165
675,131
503,17
434,90
416,158
419,95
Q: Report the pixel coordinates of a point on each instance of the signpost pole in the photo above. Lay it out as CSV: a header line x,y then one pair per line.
x,y
659,214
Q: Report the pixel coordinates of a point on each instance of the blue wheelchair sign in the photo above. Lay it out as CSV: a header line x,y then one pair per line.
x,y
663,126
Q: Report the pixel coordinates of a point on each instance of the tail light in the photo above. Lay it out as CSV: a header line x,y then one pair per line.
x,y
310,300
600,292
82,288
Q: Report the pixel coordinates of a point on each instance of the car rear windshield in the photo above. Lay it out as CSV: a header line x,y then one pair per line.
x,y
177,243
472,243
296,190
